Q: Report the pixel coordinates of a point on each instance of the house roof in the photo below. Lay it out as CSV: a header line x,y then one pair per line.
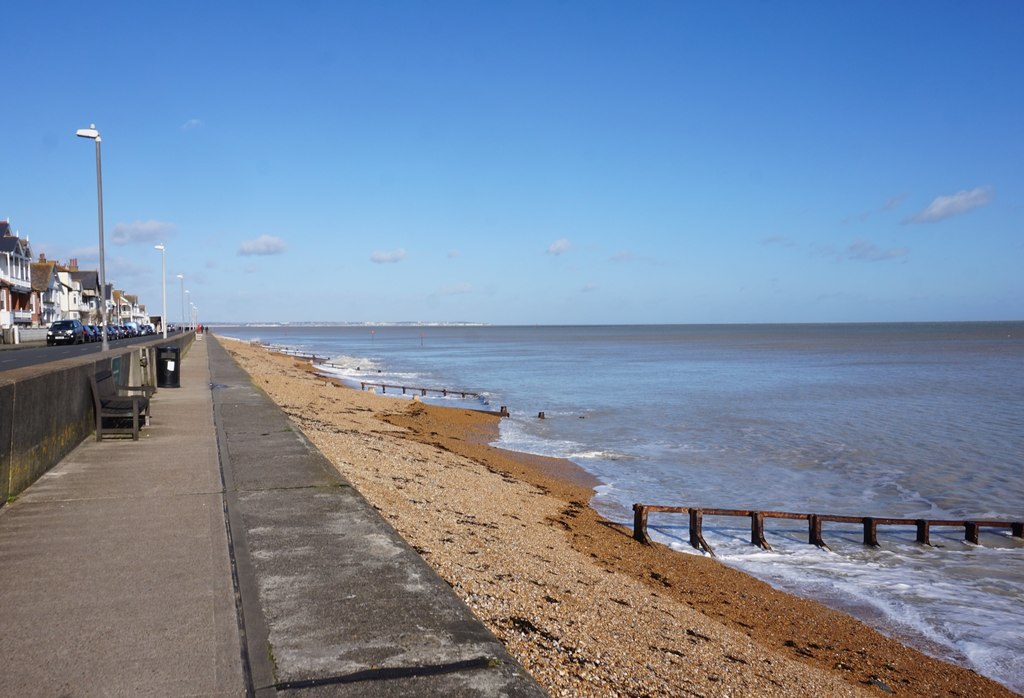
x,y
42,272
90,280
12,243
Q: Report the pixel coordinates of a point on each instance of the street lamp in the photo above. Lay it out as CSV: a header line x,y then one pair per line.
x,y
188,299
92,133
181,277
163,284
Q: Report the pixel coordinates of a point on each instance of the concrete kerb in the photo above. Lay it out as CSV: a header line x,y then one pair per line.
x,y
334,601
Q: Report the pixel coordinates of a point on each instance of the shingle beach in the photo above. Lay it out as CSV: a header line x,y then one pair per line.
x,y
587,610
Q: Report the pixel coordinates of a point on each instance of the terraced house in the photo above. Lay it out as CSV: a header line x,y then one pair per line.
x,y
47,291
35,294
16,297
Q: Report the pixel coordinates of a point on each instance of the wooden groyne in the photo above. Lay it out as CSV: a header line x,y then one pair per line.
x,y
422,391
972,527
318,360
294,353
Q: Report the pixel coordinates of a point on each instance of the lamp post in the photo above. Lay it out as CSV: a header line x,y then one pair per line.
x,y
181,277
92,133
163,285
188,299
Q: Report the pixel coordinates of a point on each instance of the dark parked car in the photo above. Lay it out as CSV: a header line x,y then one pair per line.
x,y
113,332
93,332
66,332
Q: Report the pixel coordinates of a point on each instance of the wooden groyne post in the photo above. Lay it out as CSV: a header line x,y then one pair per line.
x,y
972,527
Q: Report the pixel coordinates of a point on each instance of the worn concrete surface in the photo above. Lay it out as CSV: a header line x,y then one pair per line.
x,y
347,607
114,576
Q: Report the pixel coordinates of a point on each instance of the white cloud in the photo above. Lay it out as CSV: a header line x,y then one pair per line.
x,y
953,205
124,269
864,251
559,246
891,204
894,202
781,240
84,252
142,231
456,290
629,257
454,254
263,245
192,124
387,256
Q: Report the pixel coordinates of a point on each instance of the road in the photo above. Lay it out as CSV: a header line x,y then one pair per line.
x,y
20,357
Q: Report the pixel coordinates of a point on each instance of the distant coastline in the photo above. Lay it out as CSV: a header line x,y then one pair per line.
x,y
458,323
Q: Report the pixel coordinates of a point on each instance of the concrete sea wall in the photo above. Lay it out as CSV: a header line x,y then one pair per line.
x,y
47,410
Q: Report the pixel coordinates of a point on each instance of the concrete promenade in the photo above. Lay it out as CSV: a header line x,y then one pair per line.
x,y
221,554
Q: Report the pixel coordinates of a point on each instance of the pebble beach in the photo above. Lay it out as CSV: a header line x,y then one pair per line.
x,y
583,607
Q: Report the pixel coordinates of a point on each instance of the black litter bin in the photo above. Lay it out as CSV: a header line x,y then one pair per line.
x,y
168,367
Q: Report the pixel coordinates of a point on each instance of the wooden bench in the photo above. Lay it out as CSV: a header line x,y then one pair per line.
x,y
119,403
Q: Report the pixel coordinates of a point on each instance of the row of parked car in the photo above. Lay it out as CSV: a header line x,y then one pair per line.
x,y
74,332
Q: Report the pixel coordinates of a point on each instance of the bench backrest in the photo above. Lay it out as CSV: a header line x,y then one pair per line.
x,y
104,384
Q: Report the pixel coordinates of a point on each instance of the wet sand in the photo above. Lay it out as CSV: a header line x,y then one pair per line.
x,y
585,608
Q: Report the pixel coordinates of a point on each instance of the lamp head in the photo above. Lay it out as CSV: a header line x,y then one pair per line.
x,y
159,247
90,132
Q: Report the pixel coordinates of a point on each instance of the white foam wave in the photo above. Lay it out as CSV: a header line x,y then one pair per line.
x,y
600,455
904,590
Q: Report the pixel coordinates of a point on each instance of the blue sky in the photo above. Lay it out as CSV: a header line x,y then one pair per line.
x,y
529,162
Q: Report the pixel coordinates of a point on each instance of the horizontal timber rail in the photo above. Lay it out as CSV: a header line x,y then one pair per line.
x,y
296,353
972,527
322,361
422,391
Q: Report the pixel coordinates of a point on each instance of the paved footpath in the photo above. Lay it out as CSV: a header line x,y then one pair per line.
x,y
221,554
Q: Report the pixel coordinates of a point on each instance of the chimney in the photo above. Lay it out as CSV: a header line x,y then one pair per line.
x,y
73,264
42,257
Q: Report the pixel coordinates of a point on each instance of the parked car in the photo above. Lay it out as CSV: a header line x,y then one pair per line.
x,y
131,329
113,332
66,332
93,333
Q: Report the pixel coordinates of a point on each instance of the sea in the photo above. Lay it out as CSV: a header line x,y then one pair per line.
x,y
915,420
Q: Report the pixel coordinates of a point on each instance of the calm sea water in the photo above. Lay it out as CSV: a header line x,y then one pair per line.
x,y
903,420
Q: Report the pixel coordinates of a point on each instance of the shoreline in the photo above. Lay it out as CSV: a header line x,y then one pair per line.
x,y
581,605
